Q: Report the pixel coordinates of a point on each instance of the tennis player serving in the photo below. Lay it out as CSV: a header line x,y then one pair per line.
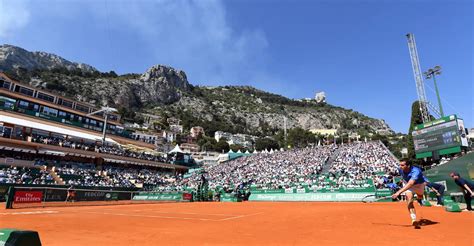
x,y
414,184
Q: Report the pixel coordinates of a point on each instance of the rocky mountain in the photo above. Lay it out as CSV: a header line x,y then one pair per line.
x,y
166,92
12,57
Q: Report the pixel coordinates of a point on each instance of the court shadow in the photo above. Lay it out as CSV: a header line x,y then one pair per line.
x,y
427,222
423,222
390,224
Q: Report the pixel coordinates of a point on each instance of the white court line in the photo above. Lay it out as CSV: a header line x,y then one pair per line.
x,y
240,216
30,213
169,212
151,209
152,216
173,217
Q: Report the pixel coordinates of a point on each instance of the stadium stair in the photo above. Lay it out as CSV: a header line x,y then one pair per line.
x,y
328,164
106,176
393,156
56,177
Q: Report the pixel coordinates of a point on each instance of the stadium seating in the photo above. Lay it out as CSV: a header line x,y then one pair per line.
x,y
321,167
24,175
349,166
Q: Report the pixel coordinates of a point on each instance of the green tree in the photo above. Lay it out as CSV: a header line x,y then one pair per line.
x,y
222,146
266,143
300,138
206,143
207,146
416,119
237,147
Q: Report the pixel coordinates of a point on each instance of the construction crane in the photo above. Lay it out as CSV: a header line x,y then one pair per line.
x,y
425,105
420,86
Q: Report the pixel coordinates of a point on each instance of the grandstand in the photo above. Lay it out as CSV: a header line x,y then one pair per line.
x,y
50,148
22,99
38,125
48,140
321,173
316,169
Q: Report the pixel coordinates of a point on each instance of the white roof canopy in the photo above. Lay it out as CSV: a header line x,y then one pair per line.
x,y
176,149
55,129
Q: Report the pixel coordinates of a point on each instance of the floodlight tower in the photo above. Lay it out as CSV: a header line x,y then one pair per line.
x,y
420,87
107,110
431,73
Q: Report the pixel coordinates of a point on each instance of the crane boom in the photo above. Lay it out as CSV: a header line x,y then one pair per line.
x,y
420,86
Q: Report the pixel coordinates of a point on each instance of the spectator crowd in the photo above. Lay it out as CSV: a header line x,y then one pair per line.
x,y
108,149
25,175
277,170
320,167
357,162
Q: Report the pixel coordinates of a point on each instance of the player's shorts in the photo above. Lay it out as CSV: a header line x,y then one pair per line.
x,y
418,189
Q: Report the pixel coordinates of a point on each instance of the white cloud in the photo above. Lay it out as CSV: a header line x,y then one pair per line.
x,y
193,35
13,16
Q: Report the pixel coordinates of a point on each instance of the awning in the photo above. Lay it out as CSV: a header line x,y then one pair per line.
x,y
50,152
81,155
54,129
110,160
114,160
24,150
18,149
126,162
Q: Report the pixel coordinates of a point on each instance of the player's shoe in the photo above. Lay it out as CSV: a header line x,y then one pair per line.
x,y
415,224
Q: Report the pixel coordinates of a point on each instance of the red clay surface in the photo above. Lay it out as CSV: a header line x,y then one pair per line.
x,y
248,223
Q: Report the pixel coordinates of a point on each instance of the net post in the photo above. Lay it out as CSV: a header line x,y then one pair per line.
x,y
10,197
44,197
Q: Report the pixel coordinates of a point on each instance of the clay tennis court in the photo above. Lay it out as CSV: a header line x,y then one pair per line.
x,y
248,223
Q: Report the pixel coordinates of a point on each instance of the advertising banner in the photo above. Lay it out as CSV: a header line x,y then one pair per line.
x,y
321,197
289,190
159,197
53,195
301,190
101,195
28,197
258,191
187,196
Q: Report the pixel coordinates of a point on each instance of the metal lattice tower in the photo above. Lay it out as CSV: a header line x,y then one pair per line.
x,y
420,86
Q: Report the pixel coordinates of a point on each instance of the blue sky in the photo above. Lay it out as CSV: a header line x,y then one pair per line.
x,y
355,51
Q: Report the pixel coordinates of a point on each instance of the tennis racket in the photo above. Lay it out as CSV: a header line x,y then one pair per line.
x,y
374,198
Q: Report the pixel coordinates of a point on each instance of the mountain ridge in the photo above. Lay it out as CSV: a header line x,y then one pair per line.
x,y
166,91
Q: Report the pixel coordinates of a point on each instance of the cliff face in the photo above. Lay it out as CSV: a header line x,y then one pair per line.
x,y
12,57
246,109
165,90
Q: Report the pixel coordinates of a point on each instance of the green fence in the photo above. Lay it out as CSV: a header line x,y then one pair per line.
x,y
226,197
310,190
305,193
313,197
463,165
158,197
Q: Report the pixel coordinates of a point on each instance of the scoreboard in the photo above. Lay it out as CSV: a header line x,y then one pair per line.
x,y
438,137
